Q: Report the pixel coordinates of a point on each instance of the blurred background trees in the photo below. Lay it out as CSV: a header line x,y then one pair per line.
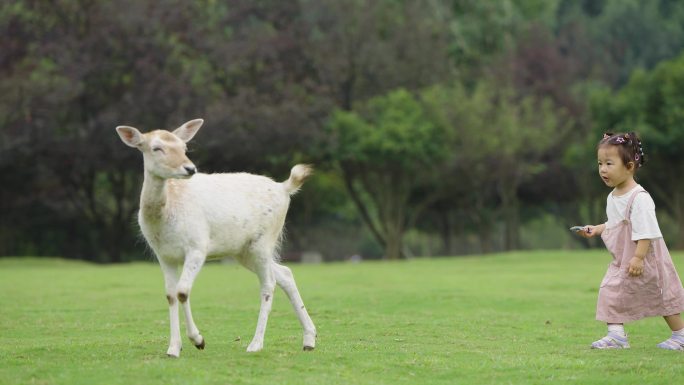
x,y
437,127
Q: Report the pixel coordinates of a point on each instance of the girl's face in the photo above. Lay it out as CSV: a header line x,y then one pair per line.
x,y
611,169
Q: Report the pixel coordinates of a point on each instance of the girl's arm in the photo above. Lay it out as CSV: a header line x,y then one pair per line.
x,y
636,264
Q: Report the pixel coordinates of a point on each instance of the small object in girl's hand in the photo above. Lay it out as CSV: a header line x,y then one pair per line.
x,y
577,229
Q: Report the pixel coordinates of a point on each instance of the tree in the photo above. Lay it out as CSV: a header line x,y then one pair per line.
x,y
627,34
82,68
499,143
651,104
361,49
389,152
481,31
358,50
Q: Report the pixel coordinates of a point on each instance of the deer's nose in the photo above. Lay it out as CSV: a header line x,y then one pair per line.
x,y
191,170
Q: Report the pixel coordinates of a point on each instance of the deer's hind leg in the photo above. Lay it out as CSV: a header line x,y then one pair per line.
x,y
261,263
285,279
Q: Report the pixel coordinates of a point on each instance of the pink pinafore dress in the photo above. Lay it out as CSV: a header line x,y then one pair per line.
x,y
656,292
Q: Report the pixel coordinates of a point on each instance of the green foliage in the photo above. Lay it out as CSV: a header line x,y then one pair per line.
x,y
492,123
522,318
498,143
389,131
482,30
630,34
375,147
420,95
652,104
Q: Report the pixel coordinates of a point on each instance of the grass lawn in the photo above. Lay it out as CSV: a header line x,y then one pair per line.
x,y
520,318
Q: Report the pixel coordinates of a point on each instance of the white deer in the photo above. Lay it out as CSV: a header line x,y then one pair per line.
x,y
189,217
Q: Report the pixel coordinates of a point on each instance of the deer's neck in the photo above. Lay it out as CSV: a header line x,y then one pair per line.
x,y
153,198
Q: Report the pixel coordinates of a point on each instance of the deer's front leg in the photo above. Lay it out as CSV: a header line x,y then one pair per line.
x,y
171,282
191,267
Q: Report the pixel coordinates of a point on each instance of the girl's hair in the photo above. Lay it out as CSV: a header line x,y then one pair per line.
x,y
628,145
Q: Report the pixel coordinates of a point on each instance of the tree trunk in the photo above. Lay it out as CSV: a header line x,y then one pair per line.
x,y
114,241
362,209
485,237
445,231
393,225
393,249
679,217
510,210
512,227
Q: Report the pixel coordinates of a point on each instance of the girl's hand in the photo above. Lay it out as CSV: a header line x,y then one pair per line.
x,y
588,232
636,266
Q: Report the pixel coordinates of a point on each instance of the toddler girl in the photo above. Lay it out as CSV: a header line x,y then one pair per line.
x,y
641,281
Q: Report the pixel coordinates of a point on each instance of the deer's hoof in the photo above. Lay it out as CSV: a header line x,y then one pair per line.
x,y
309,341
254,347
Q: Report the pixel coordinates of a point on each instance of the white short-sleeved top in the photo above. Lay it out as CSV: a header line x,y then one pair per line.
x,y
643,216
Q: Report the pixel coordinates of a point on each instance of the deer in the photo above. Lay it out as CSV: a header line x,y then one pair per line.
x,y
188,218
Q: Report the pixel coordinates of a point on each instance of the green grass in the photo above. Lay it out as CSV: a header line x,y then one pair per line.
x,y
521,318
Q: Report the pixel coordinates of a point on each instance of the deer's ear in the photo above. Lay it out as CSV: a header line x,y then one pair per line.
x,y
188,130
130,135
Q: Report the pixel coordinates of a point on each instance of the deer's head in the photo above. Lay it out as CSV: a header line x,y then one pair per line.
x,y
164,151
